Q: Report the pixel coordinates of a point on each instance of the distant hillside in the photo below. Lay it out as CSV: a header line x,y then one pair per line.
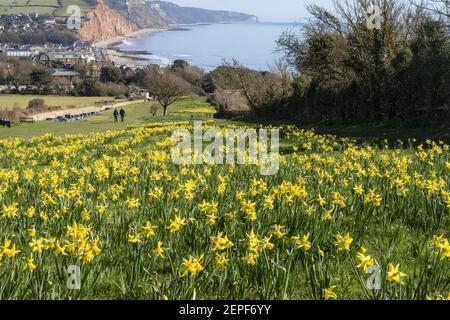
x,y
169,13
106,19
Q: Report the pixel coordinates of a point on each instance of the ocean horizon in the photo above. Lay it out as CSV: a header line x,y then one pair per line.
x,y
209,45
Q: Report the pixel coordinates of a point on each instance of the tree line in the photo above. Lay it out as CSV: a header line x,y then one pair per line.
x,y
338,68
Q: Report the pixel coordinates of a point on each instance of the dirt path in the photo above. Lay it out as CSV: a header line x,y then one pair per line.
x,y
54,114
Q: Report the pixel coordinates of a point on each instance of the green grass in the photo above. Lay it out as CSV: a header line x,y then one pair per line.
x,y
45,3
388,131
137,114
140,113
14,3
41,6
366,132
62,12
8,101
26,10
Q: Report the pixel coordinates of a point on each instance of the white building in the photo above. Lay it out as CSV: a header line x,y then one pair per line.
x,y
18,53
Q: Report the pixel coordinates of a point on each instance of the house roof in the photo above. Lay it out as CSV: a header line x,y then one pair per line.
x,y
64,55
18,50
64,73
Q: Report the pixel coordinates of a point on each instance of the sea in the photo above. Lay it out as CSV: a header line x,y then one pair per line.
x,y
210,45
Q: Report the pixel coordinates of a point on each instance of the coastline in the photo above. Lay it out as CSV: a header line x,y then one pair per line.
x,y
109,44
125,58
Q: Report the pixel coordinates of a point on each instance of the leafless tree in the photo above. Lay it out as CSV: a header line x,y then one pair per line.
x,y
259,89
439,7
165,86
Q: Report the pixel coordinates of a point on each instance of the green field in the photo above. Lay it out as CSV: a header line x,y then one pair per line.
x,y
62,12
41,6
45,3
136,114
7,102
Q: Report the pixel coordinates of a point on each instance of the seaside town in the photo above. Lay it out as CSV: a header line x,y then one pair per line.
x,y
45,53
66,64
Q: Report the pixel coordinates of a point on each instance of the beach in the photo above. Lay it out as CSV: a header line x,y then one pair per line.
x,y
120,57
205,45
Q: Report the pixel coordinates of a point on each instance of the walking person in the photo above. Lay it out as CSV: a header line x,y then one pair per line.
x,y
122,114
116,115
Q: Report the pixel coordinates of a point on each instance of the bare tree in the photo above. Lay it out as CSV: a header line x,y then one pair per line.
x,y
165,86
259,89
439,7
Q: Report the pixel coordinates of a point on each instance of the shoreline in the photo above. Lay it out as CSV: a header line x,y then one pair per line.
x,y
123,56
109,44
118,57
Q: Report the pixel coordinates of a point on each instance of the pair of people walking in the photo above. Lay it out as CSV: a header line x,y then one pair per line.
x,y
121,113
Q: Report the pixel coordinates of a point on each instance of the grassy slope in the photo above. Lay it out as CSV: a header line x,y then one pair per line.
x,y
139,114
41,7
136,114
390,132
9,101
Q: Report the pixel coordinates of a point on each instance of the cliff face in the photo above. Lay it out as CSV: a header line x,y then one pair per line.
x,y
175,14
159,14
105,23
144,17
113,18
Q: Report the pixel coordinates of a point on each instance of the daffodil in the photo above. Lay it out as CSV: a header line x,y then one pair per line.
x,y
328,215
343,242
303,242
221,242
132,203
250,259
358,189
59,250
191,266
31,232
329,294
159,250
277,232
265,243
134,238
149,229
30,265
8,250
176,224
10,211
394,274
364,261
222,261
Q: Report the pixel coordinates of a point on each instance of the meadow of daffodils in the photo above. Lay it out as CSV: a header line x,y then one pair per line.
x,y
339,220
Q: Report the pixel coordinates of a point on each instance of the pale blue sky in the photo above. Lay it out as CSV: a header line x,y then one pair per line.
x,y
265,9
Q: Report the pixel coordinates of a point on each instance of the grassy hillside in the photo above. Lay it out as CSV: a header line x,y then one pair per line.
x,y
139,226
137,114
9,101
56,8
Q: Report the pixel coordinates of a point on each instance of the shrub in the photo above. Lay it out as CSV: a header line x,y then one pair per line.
x,y
36,104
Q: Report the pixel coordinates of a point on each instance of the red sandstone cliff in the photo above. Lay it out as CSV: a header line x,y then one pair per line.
x,y
105,23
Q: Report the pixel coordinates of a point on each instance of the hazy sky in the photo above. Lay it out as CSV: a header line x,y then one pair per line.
x,y
265,9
